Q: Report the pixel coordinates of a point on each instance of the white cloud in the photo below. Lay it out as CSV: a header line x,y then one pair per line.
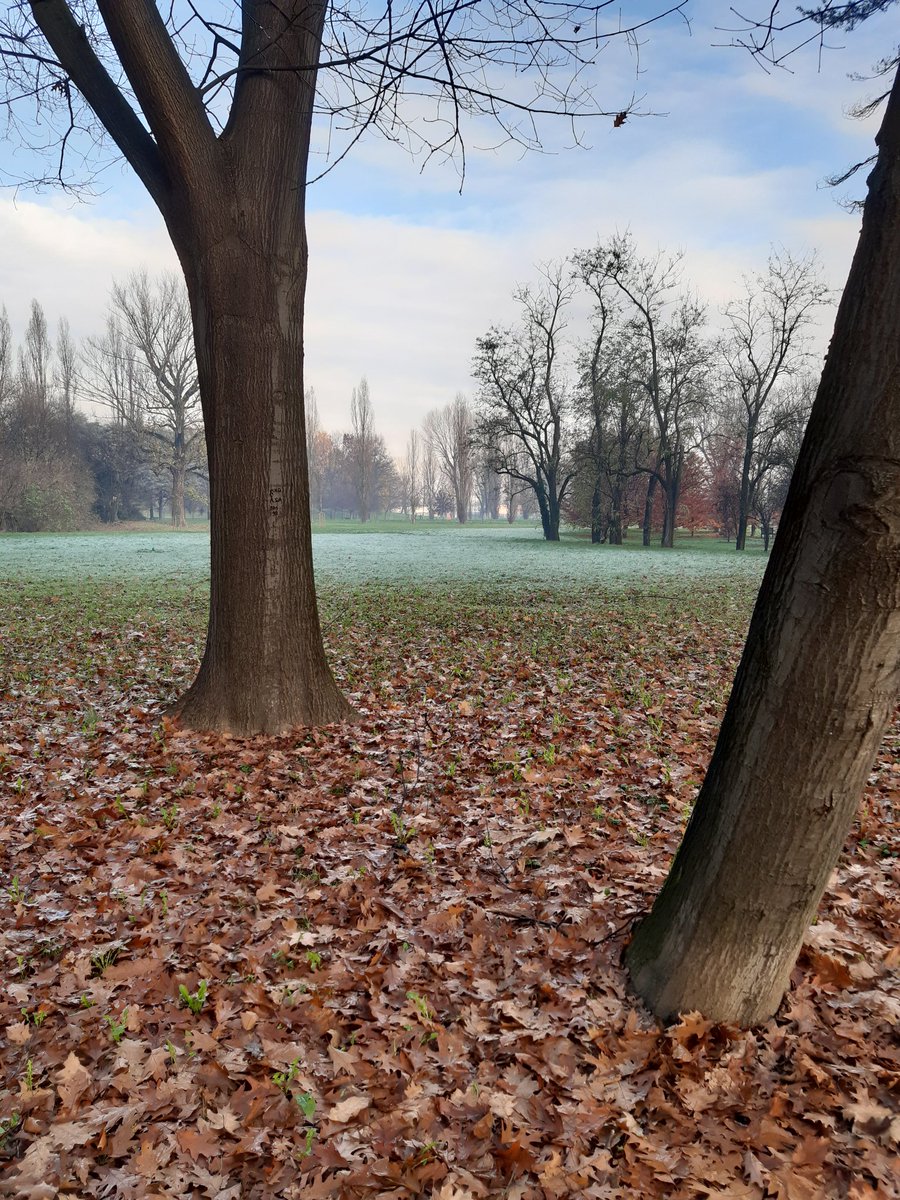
x,y
405,274
67,258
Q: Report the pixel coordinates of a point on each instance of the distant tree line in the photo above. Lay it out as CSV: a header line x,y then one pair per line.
x,y
644,419
138,451
649,419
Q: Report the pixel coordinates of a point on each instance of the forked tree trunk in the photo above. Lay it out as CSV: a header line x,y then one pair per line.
x,y
819,676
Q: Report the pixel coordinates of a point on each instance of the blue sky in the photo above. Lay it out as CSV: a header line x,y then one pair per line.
x,y
406,272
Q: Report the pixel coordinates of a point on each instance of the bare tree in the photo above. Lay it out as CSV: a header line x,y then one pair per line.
x,y
44,482
216,122
764,345
113,374
450,430
362,450
411,476
156,319
34,358
780,451
313,450
431,472
66,374
613,409
668,326
524,400
6,359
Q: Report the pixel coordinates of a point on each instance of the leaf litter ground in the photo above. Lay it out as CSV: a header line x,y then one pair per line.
x,y
385,959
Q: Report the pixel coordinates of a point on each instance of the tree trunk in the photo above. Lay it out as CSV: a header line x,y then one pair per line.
x,y
178,474
671,491
615,515
648,509
551,531
744,497
597,535
461,508
264,667
818,679
668,530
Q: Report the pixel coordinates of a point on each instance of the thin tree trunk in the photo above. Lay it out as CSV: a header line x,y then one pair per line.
x,y
178,474
668,530
744,498
615,515
819,677
648,509
596,514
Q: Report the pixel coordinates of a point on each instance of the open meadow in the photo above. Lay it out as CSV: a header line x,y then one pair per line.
x,y
384,959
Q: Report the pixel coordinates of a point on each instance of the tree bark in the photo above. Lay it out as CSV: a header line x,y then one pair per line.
x,y
597,531
819,677
264,666
615,514
648,509
178,474
744,499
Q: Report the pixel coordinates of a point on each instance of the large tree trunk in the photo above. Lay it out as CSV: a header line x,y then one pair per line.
x,y
819,677
264,667
240,234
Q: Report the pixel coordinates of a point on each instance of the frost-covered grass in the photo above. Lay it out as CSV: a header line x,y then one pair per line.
x,y
422,554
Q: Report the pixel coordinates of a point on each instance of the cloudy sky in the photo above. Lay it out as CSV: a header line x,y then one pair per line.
x,y
406,272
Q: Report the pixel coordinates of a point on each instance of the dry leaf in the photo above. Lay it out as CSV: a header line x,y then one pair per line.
x,y
72,1081
349,1108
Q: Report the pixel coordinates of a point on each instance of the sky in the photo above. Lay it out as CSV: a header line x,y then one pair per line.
x,y
406,271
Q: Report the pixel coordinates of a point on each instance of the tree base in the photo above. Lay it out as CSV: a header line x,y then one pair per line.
x,y
248,711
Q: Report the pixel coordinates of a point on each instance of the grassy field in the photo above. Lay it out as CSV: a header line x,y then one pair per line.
x,y
415,554
384,959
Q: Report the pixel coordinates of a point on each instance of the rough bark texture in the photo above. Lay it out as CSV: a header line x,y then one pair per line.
x,y
819,677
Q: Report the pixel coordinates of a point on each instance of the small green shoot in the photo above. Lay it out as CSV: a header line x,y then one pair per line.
x,y
117,1025
102,959
420,1004
194,1000
284,1079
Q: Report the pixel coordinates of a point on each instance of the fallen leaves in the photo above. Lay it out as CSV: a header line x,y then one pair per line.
x,y
412,927
347,1109
72,1081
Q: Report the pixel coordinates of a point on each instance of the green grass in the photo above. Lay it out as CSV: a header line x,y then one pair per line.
x,y
494,554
